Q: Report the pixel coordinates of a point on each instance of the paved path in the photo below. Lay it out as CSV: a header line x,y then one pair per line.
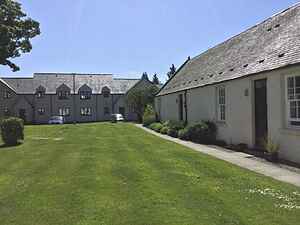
x,y
241,159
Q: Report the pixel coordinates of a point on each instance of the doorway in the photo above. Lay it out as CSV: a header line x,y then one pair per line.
x,y
180,107
261,112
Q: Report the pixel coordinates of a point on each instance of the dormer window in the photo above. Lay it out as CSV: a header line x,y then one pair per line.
x,y
106,92
63,92
63,95
40,92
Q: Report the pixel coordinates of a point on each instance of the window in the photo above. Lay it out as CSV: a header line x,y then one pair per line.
x,y
64,111
106,92
293,100
63,94
39,94
85,111
7,94
85,95
6,112
41,111
106,111
221,103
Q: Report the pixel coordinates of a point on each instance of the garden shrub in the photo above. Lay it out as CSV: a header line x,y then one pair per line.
x,y
156,126
220,143
176,125
203,132
183,134
172,132
164,130
149,116
12,130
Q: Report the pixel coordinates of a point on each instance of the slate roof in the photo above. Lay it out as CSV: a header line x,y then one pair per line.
x,y
5,83
270,45
51,81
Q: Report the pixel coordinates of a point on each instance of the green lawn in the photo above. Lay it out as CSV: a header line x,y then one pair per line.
x,y
102,173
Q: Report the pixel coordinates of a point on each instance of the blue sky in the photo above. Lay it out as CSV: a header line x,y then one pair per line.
x,y
128,37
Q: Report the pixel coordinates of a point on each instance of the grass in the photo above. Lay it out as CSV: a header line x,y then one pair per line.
x,y
93,174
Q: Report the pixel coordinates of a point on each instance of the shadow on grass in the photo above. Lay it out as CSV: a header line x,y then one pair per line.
x,y
7,147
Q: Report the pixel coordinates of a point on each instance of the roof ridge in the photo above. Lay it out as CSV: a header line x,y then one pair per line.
x,y
7,78
87,74
257,24
126,79
266,46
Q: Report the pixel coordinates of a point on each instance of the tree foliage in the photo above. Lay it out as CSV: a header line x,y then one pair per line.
x,y
172,71
145,76
139,98
155,79
16,30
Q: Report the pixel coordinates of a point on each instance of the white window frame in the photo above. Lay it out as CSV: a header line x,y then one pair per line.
x,y
41,111
85,111
85,95
40,94
6,112
62,95
7,95
221,105
64,111
288,102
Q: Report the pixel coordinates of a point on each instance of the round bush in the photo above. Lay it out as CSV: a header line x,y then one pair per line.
x,y
156,126
172,132
203,132
12,130
164,130
176,125
183,134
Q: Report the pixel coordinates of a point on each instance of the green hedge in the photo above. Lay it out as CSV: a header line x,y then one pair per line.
x,y
204,132
183,134
172,132
156,126
176,125
164,130
12,130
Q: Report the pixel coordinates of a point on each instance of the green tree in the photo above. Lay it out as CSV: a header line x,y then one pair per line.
x,y
139,98
172,71
145,76
16,30
155,79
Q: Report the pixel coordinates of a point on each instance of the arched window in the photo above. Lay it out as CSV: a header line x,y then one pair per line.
x,y
85,92
63,92
106,92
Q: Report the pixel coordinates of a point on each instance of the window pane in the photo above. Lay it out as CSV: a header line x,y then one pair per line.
x,y
295,123
297,81
291,93
293,110
291,82
297,94
222,112
298,109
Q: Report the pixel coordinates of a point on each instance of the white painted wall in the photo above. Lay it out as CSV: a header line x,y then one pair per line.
x,y
239,126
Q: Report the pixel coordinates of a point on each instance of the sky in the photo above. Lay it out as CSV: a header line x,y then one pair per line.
x,y
129,37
